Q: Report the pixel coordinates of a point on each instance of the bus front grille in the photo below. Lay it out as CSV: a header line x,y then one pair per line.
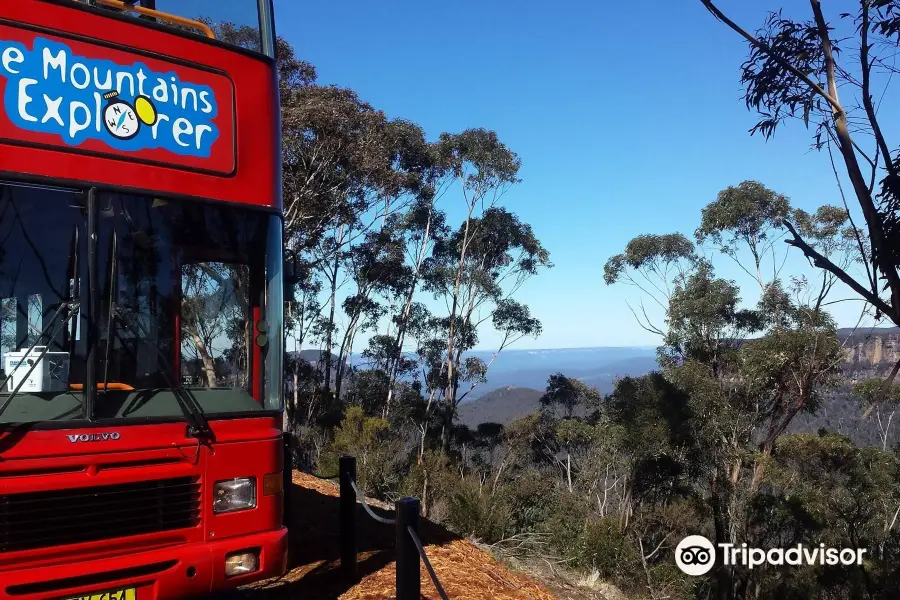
x,y
88,514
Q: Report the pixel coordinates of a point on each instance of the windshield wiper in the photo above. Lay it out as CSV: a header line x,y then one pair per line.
x,y
198,425
73,307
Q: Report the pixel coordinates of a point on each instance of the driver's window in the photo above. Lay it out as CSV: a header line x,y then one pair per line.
x,y
216,332
42,249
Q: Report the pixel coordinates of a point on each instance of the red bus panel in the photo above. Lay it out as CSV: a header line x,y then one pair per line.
x,y
80,103
84,97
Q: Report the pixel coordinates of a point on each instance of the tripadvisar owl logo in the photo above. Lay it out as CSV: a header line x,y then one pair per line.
x,y
123,120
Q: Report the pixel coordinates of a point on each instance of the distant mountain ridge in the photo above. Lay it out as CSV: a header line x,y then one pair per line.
x,y
503,405
868,353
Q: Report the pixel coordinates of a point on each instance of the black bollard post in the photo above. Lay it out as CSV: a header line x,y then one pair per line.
x,y
348,517
409,585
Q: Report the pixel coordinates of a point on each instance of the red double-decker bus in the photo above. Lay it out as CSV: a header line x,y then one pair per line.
x,y
141,299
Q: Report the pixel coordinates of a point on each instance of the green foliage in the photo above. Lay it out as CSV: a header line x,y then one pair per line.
x,y
369,391
473,511
700,447
651,253
603,547
827,230
568,394
530,502
479,158
653,415
566,517
431,479
874,391
703,434
744,214
794,71
833,492
776,92
375,447
513,320
705,321
788,360
573,433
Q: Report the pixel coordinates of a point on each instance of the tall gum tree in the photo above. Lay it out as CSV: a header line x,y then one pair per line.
x,y
742,393
478,268
831,75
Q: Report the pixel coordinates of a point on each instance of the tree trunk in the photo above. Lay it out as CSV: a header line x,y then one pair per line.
x,y
854,172
329,343
887,431
333,277
445,429
723,574
209,364
209,367
291,421
394,362
346,350
425,492
450,400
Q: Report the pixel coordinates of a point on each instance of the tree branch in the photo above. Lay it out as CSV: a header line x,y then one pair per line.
x,y
765,48
823,262
866,67
885,388
862,251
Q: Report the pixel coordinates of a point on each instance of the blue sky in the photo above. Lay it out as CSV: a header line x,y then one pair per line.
x,y
627,116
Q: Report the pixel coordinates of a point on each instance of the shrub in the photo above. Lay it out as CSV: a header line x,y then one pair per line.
x,y
531,498
566,522
602,547
379,459
473,511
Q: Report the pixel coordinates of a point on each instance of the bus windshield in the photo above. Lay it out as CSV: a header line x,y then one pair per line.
x,y
180,302
237,22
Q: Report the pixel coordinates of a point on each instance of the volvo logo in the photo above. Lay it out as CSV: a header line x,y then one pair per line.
x,y
93,437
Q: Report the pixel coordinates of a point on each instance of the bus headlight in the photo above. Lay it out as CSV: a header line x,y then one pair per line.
x,y
230,495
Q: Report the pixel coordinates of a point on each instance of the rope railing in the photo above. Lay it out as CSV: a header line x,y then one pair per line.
x,y
406,522
362,500
431,573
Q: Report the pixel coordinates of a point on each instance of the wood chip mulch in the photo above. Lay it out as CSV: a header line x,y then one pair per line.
x,y
465,571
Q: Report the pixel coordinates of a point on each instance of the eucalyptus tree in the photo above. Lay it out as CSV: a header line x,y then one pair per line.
x,y
830,72
478,268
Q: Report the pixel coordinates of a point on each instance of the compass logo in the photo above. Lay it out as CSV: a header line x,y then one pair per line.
x,y
123,120
695,555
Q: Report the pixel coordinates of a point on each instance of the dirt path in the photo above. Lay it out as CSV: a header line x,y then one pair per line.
x,y
465,571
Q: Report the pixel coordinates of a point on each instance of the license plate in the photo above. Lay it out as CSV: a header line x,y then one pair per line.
x,y
120,594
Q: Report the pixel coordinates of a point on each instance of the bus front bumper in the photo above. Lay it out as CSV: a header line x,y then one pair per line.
x,y
168,573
